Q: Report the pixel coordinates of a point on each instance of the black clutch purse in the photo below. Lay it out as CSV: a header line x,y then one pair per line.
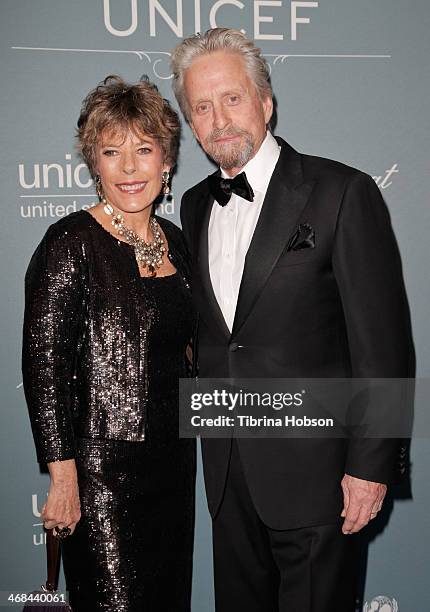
x,y
48,600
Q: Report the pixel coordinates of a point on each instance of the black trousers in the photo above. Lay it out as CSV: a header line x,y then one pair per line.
x,y
258,569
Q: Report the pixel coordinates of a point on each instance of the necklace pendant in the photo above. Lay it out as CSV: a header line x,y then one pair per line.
x,y
149,255
117,222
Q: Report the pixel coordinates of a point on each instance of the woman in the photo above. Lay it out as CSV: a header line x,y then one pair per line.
x,y
108,318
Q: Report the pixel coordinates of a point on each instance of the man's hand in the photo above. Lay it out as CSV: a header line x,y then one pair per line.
x,y
362,500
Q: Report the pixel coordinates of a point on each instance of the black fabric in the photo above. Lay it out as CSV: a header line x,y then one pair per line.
x,y
336,310
132,549
221,188
258,569
102,353
84,352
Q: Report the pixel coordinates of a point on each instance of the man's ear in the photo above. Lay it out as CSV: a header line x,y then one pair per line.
x,y
267,108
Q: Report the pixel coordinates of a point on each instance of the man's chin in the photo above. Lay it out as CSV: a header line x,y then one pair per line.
x,y
229,160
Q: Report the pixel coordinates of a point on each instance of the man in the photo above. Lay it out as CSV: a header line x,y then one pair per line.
x,y
296,274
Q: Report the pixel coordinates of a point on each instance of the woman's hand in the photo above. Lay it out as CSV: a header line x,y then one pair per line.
x,y
62,508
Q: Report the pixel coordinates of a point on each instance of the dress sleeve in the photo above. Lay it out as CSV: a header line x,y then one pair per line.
x,y
53,305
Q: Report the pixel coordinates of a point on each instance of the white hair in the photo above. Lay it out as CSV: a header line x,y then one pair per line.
x,y
218,39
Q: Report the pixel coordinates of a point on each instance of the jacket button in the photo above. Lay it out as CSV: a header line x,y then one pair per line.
x,y
233,346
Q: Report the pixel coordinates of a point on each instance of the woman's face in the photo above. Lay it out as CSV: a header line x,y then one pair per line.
x,y
130,169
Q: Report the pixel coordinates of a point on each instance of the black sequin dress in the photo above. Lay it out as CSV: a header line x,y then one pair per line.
x,y
103,350
132,549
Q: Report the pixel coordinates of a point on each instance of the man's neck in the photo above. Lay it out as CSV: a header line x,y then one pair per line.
x,y
234,171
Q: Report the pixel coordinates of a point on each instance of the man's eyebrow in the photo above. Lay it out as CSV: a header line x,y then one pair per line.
x,y
193,102
226,92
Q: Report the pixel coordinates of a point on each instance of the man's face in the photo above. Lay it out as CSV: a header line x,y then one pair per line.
x,y
227,116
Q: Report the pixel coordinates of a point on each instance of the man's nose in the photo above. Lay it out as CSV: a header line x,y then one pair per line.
x,y
220,117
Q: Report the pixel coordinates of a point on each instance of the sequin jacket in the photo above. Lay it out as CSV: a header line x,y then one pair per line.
x,y
85,350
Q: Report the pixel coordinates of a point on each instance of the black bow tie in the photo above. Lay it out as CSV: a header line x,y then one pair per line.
x,y
222,188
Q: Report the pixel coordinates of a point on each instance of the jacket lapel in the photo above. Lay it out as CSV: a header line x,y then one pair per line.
x,y
201,240
286,198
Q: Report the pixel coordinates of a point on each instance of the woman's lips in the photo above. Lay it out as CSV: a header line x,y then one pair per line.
x,y
131,188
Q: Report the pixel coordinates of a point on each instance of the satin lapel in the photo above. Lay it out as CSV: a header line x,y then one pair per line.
x,y
209,301
286,197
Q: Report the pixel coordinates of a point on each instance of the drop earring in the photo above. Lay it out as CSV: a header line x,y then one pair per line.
x,y
102,198
165,182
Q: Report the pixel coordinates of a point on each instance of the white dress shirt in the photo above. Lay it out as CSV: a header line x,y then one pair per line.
x,y
232,226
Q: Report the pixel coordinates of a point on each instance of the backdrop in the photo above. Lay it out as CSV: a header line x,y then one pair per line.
x,y
352,83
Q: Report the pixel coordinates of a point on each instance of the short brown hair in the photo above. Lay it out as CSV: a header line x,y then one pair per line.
x,y
117,105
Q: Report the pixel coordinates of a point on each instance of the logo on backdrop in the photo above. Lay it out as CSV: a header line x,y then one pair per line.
x,y
262,12
381,604
271,20
55,189
39,534
384,181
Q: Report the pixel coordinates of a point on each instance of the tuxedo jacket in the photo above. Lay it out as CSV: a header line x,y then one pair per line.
x,y
336,309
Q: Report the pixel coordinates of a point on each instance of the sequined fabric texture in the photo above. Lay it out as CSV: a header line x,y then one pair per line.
x,y
132,549
103,350
85,336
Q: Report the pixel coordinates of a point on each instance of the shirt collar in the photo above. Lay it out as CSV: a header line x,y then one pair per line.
x,y
260,168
